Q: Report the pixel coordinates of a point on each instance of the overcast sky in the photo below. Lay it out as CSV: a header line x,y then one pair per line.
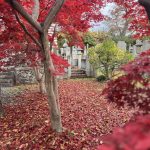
x,y
101,26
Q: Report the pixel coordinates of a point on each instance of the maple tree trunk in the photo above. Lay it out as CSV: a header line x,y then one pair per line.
x,y
52,98
40,79
1,106
55,87
42,85
1,109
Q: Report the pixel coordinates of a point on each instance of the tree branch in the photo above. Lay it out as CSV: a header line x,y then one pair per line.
x,y
36,10
53,36
52,13
14,4
26,31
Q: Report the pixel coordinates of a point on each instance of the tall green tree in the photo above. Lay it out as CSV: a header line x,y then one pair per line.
x,y
93,38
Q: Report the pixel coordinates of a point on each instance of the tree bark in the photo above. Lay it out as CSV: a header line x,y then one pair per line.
x,y
42,87
1,109
1,106
106,71
52,100
40,79
36,10
55,87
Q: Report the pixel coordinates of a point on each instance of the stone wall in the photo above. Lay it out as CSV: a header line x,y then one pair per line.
x,y
7,79
21,75
136,49
25,75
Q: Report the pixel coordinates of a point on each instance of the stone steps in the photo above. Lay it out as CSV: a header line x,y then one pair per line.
x,y
78,73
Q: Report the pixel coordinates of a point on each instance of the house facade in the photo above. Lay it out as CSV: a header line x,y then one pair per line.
x,y
78,59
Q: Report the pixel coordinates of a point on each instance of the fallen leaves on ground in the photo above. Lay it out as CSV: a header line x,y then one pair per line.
x,y
8,93
86,117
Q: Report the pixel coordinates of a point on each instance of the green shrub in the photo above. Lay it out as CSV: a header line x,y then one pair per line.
x,y
108,58
101,78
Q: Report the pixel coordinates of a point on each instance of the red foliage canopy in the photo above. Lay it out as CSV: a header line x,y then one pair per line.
x,y
74,17
138,17
133,88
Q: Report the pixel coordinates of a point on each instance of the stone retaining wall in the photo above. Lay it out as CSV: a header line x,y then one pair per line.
x,y
21,75
25,75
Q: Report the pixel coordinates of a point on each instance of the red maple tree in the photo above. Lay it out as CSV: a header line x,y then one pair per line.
x,y
24,32
133,88
138,23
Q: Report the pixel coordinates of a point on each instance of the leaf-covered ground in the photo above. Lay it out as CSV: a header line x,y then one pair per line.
x,y
86,116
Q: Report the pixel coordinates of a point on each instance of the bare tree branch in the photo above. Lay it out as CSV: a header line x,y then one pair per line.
x,y
36,10
27,32
23,13
52,13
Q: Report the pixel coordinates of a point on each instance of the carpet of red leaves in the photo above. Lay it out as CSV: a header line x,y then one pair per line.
x,y
134,135
85,114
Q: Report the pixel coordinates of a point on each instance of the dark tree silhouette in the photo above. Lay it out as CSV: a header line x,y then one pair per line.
x,y
146,5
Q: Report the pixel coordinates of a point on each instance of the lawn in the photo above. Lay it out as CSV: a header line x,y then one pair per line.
x,y
86,115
